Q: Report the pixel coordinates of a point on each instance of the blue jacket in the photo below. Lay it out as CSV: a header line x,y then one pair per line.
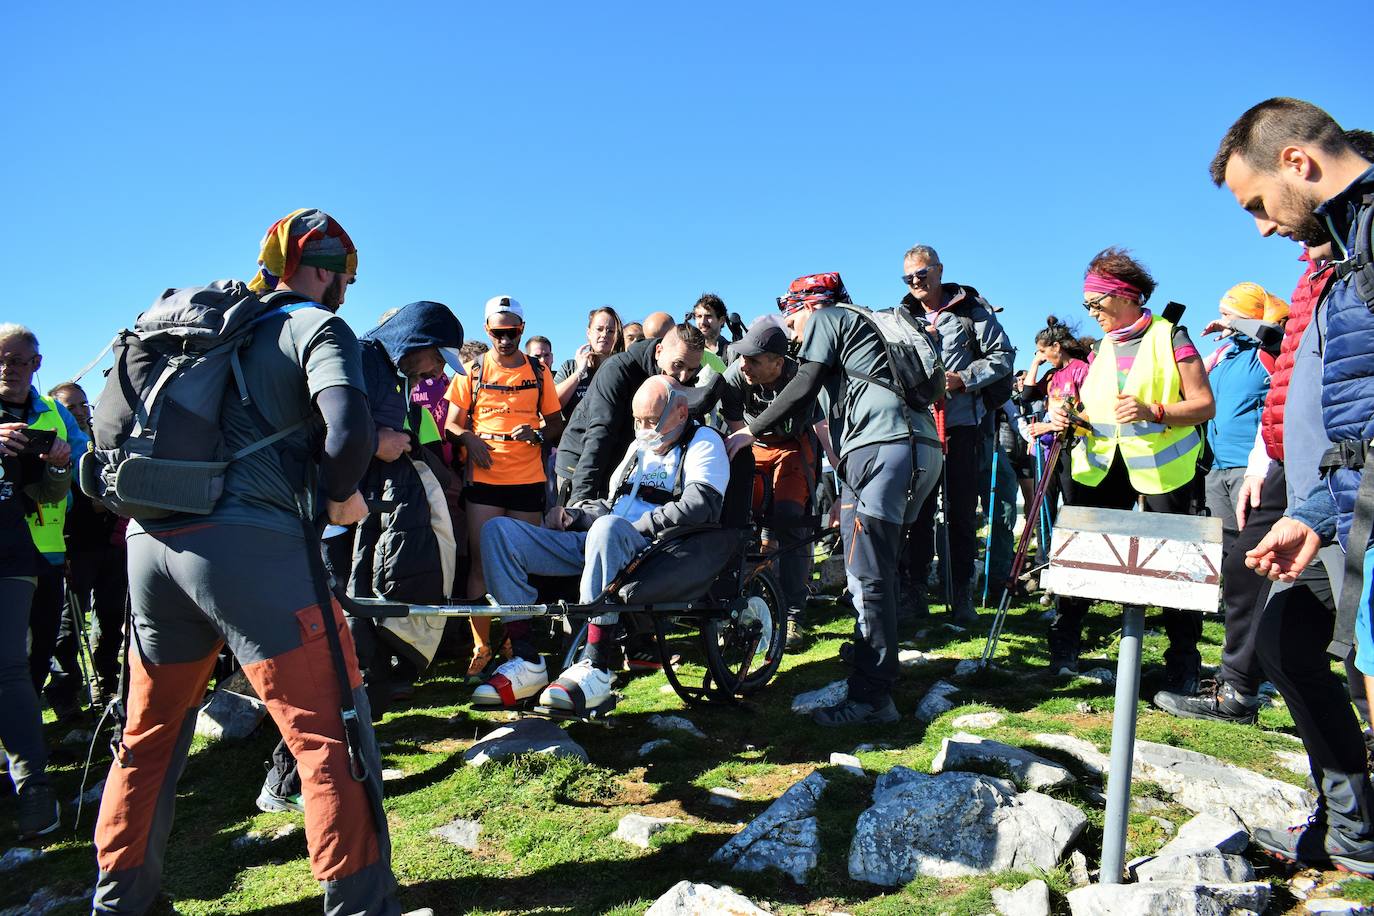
x,y
1240,382
1347,359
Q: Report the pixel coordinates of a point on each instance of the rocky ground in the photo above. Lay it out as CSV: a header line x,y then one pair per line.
x,y
987,797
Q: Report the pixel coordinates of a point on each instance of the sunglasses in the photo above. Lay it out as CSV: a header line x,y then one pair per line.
x,y
506,333
1095,305
912,277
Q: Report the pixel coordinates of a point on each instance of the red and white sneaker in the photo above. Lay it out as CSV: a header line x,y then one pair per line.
x,y
515,681
580,690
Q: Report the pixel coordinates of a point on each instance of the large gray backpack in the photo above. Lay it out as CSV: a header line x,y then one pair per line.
x,y
157,447
916,371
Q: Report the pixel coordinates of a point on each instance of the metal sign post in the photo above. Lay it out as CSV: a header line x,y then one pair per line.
x,y
1136,559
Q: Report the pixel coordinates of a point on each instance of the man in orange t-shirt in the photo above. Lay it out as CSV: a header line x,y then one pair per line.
x,y
502,413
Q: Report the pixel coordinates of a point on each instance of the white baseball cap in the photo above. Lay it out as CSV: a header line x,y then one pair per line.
x,y
497,304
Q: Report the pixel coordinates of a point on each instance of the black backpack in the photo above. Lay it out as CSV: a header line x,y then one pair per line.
x,y
157,448
918,372
1360,262
999,392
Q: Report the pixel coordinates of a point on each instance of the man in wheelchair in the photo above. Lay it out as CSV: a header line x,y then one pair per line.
x,y
673,475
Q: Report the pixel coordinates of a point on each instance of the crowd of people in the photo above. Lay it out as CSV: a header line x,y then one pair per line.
x,y
413,464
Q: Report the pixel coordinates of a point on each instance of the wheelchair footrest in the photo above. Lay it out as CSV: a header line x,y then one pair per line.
x,y
597,716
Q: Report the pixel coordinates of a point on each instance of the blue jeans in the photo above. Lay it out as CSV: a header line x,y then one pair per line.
x,y
513,550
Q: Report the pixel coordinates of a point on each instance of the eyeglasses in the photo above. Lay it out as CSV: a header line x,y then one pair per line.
x,y
505,333
1095,305
17,362
912,277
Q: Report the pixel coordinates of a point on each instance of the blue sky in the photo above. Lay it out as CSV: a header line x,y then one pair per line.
x,y
637,154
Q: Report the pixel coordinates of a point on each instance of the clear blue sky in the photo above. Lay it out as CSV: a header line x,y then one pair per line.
x,y
576,154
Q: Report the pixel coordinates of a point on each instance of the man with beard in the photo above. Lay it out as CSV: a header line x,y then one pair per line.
x,y
1291,167
244,574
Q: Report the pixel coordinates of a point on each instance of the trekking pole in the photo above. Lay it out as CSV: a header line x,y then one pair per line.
x,y
85,657
991,505
944,504
1022,549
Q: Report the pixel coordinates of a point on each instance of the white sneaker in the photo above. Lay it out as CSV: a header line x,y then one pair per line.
x,y
580,689
514,681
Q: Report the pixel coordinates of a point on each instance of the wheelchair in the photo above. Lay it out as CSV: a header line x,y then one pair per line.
x,y
708,594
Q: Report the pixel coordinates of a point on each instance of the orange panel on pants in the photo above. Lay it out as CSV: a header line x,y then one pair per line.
x,y
790,466
161,697
301,690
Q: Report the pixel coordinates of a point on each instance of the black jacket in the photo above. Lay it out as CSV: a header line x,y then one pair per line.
x,y
601,428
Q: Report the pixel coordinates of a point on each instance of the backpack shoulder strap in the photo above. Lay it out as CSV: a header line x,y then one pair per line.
x,y
537,368
1360,262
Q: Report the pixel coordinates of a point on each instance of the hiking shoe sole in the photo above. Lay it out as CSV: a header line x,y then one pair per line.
x,y
1176,705
270,803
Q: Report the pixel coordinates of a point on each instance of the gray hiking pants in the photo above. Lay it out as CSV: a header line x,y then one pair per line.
x,y
21,720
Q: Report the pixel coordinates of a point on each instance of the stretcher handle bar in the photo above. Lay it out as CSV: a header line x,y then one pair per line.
x,y
380,607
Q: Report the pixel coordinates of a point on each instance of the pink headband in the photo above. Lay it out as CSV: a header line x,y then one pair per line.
x,y
1102,283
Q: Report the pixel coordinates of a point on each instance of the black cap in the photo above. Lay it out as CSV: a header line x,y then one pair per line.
x,y
763,337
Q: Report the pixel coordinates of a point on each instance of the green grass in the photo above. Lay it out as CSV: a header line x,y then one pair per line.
x,y
546,845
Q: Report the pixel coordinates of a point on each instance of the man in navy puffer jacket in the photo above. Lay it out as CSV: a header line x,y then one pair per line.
x,y
1292,167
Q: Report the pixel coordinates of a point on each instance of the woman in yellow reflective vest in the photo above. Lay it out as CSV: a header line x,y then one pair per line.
x,y
1144,397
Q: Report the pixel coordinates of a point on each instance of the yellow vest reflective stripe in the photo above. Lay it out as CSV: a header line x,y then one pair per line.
x,y
1158,459
45,525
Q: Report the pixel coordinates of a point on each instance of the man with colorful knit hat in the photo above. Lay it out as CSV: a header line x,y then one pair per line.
x,y
190,595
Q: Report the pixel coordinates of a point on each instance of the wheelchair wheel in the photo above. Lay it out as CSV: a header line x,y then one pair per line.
x,y
743,653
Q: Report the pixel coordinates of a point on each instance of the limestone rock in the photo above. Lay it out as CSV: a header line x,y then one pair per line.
x,y
784,837
832,572
829,695
648,747
1164,898
722,797
1204,784
637,829
78,737
911,658
230,714
1207,866
91,796
1100,675
391,774
847,762
1030,899
688,899
45,900
979,720
460,832
523,736
957,824
961,750
1295,762
1078,869
19,855
675,724
967,668
1222,831
936,702
1085,752
1336,905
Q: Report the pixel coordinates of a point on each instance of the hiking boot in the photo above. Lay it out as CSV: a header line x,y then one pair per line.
x,y
270,801
961,607
1064,664
857,712
912,601
1218,700
641,653
580,689
39,811
1181,674
1303,844
513,682
796,631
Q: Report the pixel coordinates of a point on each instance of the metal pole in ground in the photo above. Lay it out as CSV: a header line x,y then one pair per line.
x,y
1123,745
991,511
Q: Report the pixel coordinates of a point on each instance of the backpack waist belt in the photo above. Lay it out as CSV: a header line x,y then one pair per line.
x,y
503,437
1352,455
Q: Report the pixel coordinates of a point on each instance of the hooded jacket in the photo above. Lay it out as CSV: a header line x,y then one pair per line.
x,y
979,361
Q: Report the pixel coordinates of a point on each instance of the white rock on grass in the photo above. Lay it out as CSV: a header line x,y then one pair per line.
x,y
967,668
688,899
1030,899
675,724
638,829
1294,762
954,825
460,832
1335,905
936,702
722,797
91,795
19,855
829,695
1209,866
391,774
256,838
847,762
1204,784
1100,675
523,736
962,750
1085,752
979,720
648,747
1222,832
1078,869
1161,898
912,658
229,714
785,837
44,901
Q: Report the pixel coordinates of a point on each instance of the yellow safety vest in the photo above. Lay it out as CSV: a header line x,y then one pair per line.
x,y
45,525
1158,458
